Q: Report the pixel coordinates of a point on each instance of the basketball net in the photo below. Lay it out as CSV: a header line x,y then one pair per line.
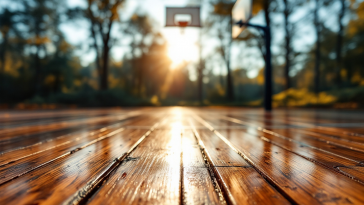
x,y
183,25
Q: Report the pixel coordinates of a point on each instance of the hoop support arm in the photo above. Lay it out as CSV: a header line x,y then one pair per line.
x,y
268,83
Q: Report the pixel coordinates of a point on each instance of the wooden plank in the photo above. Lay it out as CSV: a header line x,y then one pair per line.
x,y
38,119
23,141
220,153
26,140
330,149
302,180
21,166
192,156
318,151
337,149
198,187
306,117
331,139
16,163
152,177
355,172
249,188
62,178
272,120
311,124
351,137
14,155
9,133
245,186
8,124
34,115
330,160
344,134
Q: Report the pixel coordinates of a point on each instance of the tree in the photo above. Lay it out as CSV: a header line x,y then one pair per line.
x,y
289,7
317,26
139,27
352,57
7,24
344,7
40,18
288,38
102,15
223,24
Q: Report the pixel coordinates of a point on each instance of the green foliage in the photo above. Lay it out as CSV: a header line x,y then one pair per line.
x,y
301,98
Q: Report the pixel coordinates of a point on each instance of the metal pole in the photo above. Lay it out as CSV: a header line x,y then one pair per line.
x,y
268,85
200,72
268,71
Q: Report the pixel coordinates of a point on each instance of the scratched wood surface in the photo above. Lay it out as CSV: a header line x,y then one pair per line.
x,y
181,155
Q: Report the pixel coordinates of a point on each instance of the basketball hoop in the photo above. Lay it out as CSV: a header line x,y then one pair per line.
x,y
182,25
183,17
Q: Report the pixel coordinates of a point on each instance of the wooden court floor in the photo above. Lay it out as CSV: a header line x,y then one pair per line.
x,y
179,155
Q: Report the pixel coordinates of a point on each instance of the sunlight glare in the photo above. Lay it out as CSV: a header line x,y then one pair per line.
x,y
182,49
175,142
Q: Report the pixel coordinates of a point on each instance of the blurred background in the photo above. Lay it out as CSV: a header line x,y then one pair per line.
x,y
99,53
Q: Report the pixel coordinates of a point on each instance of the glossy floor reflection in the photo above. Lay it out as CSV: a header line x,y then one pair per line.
x,y
180,155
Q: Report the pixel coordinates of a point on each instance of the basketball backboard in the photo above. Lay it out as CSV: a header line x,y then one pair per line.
x,y
241,12
183,17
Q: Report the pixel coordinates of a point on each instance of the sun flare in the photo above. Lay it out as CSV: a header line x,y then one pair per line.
x,y
182,49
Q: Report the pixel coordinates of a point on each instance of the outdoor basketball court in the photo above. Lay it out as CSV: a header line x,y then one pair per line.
x,y
184,155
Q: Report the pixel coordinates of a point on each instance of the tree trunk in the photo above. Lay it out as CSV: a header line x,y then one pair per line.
x,y
97,60
200,84
229,80
3,53
105,66
318,47
286,14
200,72
38,72
57,82
339,43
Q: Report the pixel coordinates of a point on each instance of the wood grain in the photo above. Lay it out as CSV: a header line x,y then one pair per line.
x,y
318,151
220,153
151,176
7,134
302,180
244,185
337,149
235,190
27,141
198,186
331,155
20,166
62,178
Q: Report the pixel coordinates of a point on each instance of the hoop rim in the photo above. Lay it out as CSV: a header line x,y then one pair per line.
x,y
183,24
